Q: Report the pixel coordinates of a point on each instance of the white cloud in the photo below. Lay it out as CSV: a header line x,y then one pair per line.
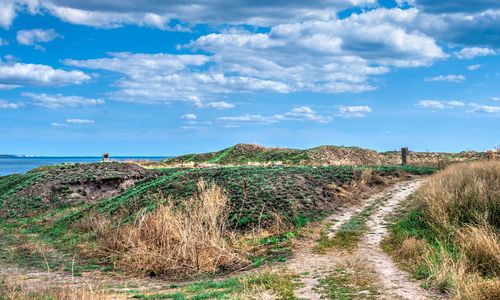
x,y
487,109
495,98
438,104
215,105
302,113
58,125
9,9
7,13
448,78
20,74
357,111
60,101
190,117
473,52
319,55
474,67
80,121
10,105
140,64
35,37
155,13
8,86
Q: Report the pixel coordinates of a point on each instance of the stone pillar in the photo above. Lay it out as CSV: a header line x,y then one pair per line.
x,y
404,156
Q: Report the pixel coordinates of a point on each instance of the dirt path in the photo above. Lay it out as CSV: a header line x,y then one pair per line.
x,y
393,283
396,283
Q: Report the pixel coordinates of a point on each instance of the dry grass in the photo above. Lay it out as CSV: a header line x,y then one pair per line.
x,y
413,250
10,291
467,193
482,247
186,239
461,207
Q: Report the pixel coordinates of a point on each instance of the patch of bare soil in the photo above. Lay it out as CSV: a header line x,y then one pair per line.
x,y
314,266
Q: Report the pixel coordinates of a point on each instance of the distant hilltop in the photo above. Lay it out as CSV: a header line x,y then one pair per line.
x,y
250,154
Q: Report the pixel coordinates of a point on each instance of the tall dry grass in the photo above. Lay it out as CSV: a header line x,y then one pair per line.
x,y
462,194
175,240
461,207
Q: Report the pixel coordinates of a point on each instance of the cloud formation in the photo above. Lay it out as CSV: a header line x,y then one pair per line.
x,y
58,101
35,37
325,56
438,104
80,121
155,13
20,74
10,105
486,109
357,111
447,78
189,117
303,113
470,53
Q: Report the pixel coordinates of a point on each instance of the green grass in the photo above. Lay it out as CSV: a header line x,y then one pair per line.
x,y
349,233
412,224
343,285
282,285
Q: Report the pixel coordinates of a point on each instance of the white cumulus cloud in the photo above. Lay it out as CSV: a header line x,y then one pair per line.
x,y
473,52
303,113
61,101
438,104
190,117
447,78
21,74
486,109
10,105
35,37
474,67
356,111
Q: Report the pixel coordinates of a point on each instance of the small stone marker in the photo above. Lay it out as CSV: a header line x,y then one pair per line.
x,y
404,156
105,157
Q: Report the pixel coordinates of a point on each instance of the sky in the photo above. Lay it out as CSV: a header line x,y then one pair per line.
x,y
152,77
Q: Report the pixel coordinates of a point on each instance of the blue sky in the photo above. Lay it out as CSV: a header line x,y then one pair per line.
x,y
149,78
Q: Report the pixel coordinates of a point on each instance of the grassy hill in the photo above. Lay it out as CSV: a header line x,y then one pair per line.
x,y
53,206
248,154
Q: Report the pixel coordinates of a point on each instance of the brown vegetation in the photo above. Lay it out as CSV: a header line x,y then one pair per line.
x,y
175,240
458,231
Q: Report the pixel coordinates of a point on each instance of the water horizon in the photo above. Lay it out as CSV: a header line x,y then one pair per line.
x,y
22,164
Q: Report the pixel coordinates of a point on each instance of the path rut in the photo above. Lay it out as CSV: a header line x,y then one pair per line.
x,y
394,283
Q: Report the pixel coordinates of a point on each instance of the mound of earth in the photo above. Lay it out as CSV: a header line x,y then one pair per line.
x,y
247,154
63,185
394,157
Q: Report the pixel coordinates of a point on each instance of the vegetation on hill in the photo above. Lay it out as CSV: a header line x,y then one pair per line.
x,y
245,154
53,187
451,232
39,208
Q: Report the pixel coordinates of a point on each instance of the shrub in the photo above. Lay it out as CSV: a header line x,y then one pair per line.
x,y
176,240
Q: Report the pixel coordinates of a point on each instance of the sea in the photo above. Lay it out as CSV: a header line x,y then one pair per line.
x,y
18,165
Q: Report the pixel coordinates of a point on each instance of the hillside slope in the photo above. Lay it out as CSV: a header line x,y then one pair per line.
x,y
248,154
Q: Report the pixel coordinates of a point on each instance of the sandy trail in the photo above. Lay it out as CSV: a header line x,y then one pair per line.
x,y
314,266
394,284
